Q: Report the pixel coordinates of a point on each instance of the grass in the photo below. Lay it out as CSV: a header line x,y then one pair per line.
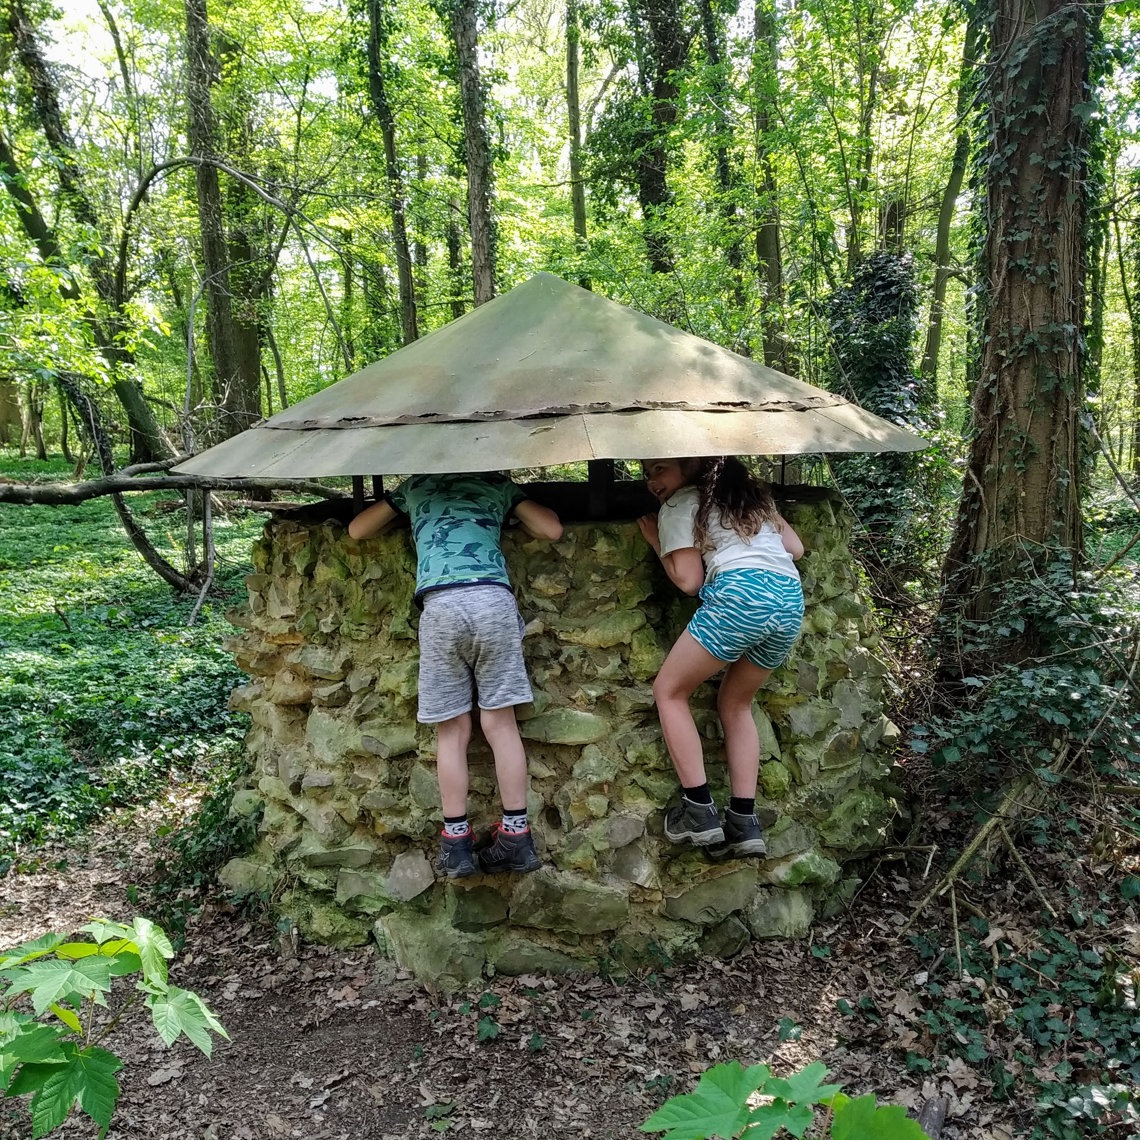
x,y
104,687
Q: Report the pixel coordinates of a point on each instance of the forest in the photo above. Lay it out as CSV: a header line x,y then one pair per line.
x,y
929,207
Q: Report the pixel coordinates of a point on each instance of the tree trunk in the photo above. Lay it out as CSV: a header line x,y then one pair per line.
x,y
928,372
1024,471
480,171
237,401
9,411
574,116
377,54
659,61
725,177
766,87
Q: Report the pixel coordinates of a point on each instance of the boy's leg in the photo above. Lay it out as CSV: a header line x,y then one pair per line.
x,y
452,739
513,846
502,732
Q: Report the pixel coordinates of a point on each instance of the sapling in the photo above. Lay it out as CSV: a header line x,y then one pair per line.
x,y
54,1054
754,1104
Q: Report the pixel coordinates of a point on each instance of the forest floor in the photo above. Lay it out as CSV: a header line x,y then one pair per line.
x,y
340,1044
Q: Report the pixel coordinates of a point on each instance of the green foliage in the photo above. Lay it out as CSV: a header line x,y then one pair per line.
x,y
1075,685
53,1054
899,499
731,1101
103,687
1059,1012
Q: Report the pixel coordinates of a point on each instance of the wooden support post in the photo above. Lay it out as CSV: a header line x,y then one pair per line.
x,y
600,479
358,493
378,487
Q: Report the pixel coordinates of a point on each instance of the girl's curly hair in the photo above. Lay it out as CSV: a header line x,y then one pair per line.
x,y
745,502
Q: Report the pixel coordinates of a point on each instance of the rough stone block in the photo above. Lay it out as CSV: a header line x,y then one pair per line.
x,y
328,662
616,628
726,939
410,875
566,726
248,877
432,949
516,955
561,900
777,913
475,908
775,779
709,902
363,891
805,868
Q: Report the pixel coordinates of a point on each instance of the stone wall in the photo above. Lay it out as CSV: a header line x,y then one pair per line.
x,y
346,781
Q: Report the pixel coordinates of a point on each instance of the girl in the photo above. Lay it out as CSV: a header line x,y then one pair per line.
x,y
718,533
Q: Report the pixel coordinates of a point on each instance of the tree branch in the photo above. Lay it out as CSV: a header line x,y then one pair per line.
x,y
59,494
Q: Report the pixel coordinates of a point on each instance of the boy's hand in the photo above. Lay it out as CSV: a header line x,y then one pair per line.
x,y
648,525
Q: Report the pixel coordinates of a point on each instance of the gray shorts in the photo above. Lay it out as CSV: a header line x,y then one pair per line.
x,y
470,642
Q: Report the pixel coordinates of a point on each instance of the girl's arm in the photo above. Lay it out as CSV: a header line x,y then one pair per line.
x,y
685,567
538,521
373,520
793,544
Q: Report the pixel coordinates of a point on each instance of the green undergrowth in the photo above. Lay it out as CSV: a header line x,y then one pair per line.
x,y
105,690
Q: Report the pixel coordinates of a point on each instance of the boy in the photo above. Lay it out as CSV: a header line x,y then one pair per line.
x,y
470,636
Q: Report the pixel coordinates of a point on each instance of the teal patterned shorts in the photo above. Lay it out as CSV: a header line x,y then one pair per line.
x,y
749,613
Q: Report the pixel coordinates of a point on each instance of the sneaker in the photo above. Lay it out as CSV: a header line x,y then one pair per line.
x,y
509,852
742,837
456,855
698,824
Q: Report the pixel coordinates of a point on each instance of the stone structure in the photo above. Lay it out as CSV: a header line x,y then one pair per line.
x,y
345,775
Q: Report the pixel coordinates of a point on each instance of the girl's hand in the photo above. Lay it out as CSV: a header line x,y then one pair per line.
x,y
648,525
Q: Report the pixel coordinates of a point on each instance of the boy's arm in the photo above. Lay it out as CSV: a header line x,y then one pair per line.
x,y
373,520
793,544
538,521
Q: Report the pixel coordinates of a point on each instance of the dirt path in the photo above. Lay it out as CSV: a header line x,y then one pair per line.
x,y
334,1044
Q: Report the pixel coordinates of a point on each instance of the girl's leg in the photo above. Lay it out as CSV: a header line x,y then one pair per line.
x,y
452,738
741,739
687,665
502,732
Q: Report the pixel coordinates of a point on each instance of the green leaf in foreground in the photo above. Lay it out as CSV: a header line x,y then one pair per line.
x,y
863,1119
57,980
180,1011
717,1107
84,1075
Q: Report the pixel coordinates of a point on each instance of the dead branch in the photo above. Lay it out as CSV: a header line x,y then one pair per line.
x,y
61,494
1011,799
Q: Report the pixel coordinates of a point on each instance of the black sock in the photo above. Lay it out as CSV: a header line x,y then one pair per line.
x,y
742,805
698,795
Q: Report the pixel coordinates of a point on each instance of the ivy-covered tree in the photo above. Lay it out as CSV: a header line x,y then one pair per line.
x,y
1025,470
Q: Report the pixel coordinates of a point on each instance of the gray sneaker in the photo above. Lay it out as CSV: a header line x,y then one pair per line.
x,y
698,824
742,837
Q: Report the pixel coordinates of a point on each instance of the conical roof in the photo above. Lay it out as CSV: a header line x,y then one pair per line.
x,y
548,373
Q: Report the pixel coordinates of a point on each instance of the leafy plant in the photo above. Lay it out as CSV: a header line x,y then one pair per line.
x,y
54,1053
732,1101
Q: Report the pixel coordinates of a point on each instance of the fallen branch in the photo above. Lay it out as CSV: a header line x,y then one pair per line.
x,y
995,821
61,494
932,1118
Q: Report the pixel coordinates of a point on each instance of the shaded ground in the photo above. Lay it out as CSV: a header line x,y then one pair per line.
x,y
335,1044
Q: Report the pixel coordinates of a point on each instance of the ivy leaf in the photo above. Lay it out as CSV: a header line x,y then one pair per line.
x,y
54,981
717,1107
84,1075
860,1118
181,1011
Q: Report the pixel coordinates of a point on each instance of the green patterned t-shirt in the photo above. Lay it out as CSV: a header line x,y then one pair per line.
x,y
456,524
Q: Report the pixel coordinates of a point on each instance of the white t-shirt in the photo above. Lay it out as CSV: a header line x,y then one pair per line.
x,y
724,549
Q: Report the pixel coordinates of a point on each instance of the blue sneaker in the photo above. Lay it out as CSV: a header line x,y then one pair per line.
x,y
509,852
698,824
